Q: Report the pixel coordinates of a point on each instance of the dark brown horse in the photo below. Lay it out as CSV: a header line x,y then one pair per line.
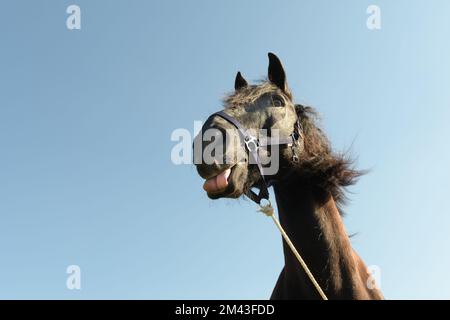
x,y
309,187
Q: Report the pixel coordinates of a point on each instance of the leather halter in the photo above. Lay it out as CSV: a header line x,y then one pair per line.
x,y
252,145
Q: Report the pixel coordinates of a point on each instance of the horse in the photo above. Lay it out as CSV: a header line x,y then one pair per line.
x,y
309,184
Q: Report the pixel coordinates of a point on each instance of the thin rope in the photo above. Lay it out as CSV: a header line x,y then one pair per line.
x,y
268,211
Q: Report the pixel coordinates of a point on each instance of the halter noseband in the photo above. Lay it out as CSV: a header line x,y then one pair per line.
x,y
252,144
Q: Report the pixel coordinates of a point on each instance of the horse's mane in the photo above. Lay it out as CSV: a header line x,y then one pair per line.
x,y
330,171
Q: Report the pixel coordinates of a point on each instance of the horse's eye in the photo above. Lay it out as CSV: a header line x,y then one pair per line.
x,y
277,101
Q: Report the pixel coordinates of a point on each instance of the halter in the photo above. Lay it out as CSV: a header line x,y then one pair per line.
x,y
252,145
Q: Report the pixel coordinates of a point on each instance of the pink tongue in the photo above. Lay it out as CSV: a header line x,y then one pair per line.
x,y
217,183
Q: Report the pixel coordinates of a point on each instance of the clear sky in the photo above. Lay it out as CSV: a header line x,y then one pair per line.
x,y
86,116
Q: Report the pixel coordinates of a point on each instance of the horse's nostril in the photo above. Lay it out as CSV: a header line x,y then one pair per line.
x,y
204,171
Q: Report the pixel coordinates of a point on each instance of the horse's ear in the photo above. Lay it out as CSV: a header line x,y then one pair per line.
x,y
239,82
276,73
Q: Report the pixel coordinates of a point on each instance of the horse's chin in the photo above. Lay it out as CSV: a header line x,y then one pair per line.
x,y
235,187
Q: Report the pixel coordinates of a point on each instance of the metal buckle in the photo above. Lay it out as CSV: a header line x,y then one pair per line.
x,y
251,143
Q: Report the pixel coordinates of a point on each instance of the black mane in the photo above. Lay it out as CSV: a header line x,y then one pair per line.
x,y
330,171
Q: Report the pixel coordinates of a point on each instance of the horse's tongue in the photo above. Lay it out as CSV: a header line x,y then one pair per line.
x,y
217,183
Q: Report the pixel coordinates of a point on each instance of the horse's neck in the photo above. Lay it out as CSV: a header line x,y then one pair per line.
x,y
315,227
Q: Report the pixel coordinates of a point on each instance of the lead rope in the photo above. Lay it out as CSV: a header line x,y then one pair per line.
x,y
268,211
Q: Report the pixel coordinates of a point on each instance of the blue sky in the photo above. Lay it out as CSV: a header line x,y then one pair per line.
x,y
86,117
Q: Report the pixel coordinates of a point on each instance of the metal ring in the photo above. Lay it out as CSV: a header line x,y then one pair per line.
x,y
251,143
267,202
